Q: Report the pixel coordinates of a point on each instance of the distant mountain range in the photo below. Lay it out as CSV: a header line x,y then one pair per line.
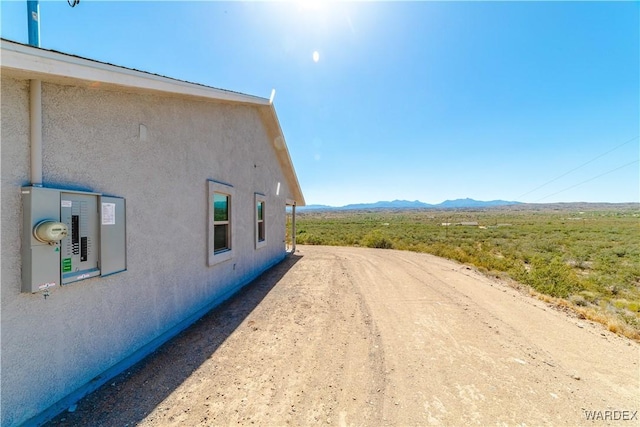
x,y
416,204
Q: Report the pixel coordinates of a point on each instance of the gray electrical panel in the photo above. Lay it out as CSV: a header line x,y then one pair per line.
x,y
70,236
79,250
113,253
40,260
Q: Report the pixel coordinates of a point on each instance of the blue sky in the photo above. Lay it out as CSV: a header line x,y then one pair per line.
x,y
408,100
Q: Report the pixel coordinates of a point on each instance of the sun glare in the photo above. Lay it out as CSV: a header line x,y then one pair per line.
x,y
309,4
316,56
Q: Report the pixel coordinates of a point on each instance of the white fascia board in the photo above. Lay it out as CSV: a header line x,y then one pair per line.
x,y
43,62
283,152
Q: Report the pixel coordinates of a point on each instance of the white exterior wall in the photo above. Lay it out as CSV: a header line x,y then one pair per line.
x,y
91,141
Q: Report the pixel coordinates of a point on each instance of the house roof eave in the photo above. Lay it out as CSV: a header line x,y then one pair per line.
x,y
36,63
284,157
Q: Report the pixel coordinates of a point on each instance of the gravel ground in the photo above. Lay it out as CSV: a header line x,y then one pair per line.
x,y
355,336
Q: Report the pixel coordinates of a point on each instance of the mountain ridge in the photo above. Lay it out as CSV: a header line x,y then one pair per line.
x,y
408,204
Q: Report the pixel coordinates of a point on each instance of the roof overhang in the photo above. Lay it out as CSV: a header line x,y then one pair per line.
x,y
28,62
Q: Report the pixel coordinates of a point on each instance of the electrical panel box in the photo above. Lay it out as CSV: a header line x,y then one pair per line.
x,y
70,236
113,247
79,250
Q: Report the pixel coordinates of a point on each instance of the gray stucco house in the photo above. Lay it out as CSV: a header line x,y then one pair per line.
x,y
131,205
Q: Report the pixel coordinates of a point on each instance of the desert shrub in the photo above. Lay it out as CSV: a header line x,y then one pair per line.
x,y
552,278
309,239
376,239
579,300
592,297
634,306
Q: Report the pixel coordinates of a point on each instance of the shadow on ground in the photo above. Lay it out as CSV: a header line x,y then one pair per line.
x,y
131,396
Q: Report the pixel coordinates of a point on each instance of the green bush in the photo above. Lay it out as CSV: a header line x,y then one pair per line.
x,y
552,278
375,239
310,239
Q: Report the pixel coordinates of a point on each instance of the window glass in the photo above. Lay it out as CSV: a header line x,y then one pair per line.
x,y
261,231
220,237
220,222
220,207
261,236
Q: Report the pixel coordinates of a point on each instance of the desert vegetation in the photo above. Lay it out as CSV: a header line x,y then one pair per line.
x,y
582,257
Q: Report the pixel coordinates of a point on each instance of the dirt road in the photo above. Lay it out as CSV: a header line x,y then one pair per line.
x,y
354,336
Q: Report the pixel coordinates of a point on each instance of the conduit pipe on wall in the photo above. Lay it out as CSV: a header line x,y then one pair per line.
x,y
35,118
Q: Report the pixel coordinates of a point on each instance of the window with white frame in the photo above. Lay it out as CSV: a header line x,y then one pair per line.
x,y
221,223
261,220
220,243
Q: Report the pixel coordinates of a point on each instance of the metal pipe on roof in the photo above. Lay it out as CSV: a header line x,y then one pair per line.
x,y
33,22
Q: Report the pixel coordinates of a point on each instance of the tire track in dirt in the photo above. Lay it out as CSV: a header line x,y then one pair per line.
x,y
480,364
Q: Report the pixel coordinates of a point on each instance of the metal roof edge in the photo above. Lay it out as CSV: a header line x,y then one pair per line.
x,y
286,157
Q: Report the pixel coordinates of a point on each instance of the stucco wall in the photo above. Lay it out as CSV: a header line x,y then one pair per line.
x,y
92,142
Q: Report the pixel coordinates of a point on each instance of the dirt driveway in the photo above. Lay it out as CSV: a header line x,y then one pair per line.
x,y
354,336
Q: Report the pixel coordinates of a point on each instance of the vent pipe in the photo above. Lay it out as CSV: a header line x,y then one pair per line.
x,y
33,19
